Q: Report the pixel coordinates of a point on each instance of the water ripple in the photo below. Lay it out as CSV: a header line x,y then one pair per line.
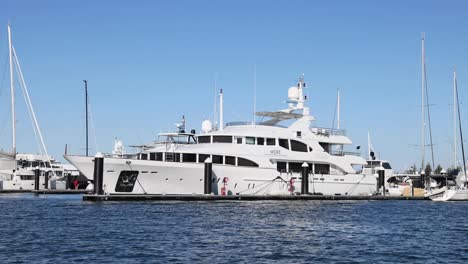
x,y
63,228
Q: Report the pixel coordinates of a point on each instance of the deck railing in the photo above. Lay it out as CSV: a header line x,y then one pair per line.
x,y
328,131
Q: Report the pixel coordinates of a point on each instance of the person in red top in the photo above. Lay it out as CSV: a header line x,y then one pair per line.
x,y
76,183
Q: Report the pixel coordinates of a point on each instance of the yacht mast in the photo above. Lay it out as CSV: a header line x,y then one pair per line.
x,y
255,95
338,111
461,134
86,115
455,164
221,117
12,90
423,116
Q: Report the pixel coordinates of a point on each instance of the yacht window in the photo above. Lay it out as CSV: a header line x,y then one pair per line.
x,y
246,163
250,140
295,166
169,156
239,140
322,168
386,165
325,146
202,157
222,139
310,149
260,141
373,163
204,139
298,146
177,157
144,156
189,157
284,143
229,160
271,141
152,156
159,156
217,159
281,166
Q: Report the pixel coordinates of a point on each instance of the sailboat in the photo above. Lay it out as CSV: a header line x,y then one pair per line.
x,y
16,169
460,191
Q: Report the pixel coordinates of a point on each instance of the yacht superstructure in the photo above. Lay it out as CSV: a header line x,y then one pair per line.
x,y
256,159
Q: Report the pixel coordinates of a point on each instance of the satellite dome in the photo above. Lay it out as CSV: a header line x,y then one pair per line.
x,y
206,126
293,93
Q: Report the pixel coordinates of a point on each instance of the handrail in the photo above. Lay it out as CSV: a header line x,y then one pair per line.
x,y
328,131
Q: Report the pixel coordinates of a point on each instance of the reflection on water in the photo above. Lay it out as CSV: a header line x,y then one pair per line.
x,y
56,228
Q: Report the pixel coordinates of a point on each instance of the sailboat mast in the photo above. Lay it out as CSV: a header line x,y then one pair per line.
x,y
86,107
423,116
12,90
455,163
461,134
338,121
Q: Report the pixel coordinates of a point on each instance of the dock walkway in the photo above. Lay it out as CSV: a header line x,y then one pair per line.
x,y
207,197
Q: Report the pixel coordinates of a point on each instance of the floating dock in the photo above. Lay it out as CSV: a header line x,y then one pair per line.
x,y
208,197
44,191
70,191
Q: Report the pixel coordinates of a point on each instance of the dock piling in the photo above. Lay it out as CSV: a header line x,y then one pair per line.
x,y
382,180
98,173
46,180
208,175
36,179
305,178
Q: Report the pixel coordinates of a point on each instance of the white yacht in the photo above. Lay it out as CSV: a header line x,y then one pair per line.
x,y
21,176
255,159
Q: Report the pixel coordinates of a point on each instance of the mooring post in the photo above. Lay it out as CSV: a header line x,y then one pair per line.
x,y
36,179
98,173
412,188
305,178
382,180
208,175
423,178
46,180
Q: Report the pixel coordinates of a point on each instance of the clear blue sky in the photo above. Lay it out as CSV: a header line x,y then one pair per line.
x,y
149,62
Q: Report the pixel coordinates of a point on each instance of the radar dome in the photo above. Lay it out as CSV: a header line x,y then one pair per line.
x,y
293,93
206,126
118,147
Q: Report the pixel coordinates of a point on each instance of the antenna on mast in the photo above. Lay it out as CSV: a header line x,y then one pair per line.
x,y
221,117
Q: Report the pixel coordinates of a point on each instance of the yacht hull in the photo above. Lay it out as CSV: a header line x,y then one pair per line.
x,y
158,177
445,194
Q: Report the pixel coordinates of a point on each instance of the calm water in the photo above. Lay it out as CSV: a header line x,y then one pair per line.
x,y
52,229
